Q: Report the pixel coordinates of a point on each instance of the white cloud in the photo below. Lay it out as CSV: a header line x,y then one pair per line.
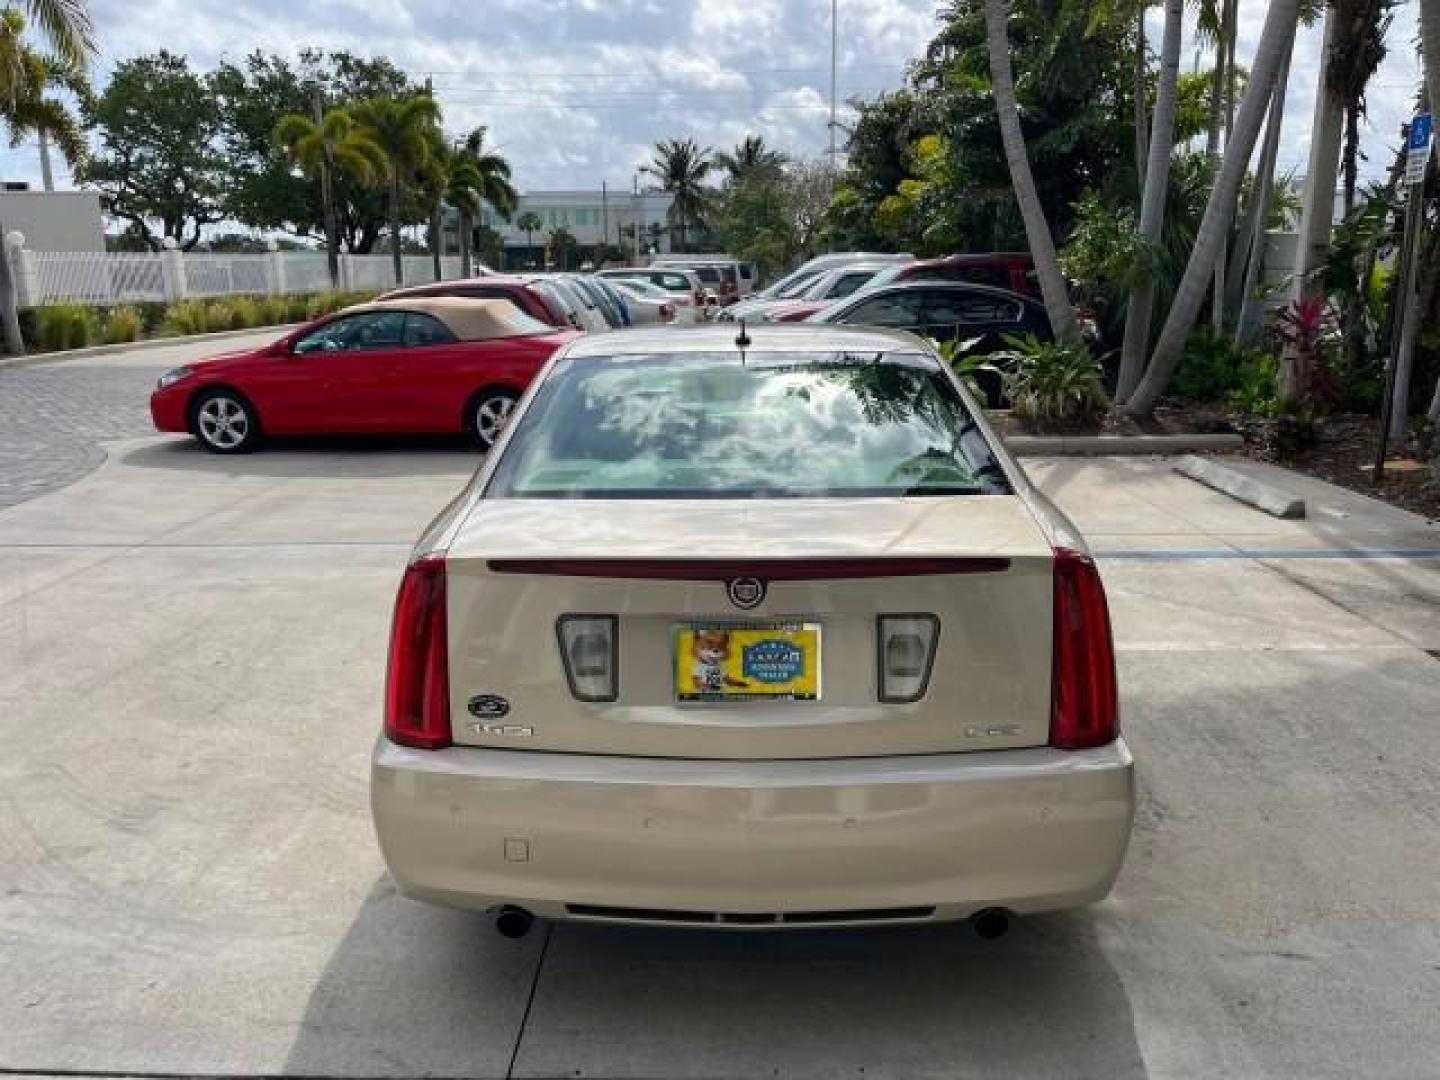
x,y
576,91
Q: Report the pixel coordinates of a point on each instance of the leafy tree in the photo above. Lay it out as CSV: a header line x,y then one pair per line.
x,y
336,145
402,128
158,165
529,223
680,167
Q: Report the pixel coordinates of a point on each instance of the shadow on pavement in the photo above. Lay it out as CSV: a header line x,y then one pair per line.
x,y
339,457
412,991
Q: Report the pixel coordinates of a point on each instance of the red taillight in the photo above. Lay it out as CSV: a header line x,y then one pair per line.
x,y
667,312
1084,711
417,684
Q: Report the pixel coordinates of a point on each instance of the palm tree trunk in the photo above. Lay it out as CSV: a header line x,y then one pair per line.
x,y
327,191
1245,267
9,309
435,253
1318,214
1152,206
1037,231
466,228
1225,49
1279,29
395,259
1142,78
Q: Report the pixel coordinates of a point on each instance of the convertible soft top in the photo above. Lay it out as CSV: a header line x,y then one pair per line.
x,y
467,318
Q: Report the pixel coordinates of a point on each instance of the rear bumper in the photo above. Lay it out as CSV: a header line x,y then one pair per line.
x,y
922,838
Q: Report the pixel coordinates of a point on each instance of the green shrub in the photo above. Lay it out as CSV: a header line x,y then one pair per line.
x,y
273,310
1254,392
187,317
65,326
297,309
244,313
122,324
1050,384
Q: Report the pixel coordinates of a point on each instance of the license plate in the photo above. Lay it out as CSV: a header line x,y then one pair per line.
x,y
777,661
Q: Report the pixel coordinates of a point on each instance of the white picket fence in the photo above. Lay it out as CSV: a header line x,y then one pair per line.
x,y
50,277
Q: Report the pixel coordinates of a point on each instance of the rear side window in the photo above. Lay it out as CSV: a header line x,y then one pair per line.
x,y
778,425
848,283
421,329
708,274
673,282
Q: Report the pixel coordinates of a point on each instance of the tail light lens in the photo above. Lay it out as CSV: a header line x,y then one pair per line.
x,y
590,648
667,312
1084,711
417,684
907,652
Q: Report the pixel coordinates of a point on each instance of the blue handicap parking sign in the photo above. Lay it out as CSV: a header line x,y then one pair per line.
x,y
1421,128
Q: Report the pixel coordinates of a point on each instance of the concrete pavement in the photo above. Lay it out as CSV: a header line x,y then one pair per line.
x,y
191,657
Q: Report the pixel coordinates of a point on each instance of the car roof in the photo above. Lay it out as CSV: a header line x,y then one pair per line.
x,y
910,284
467,318
974,258
433,287
763,338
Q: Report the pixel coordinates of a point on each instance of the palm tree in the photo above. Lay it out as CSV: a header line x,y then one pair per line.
x,y
402,128
336,142
681,166
1430,48
529,223
561,242
1037,231
492,185
750,157
1280,23
462,191
66,25
28,108
1152,203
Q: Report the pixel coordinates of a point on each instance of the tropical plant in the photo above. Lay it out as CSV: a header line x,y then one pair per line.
x,y
1275,39
1307,328
65,326
64,23
529,223
1037,229
680,167
1051,383
403,130
968,364
336,143
123,324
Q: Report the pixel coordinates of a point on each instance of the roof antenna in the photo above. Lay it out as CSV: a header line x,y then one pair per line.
x,y
742,339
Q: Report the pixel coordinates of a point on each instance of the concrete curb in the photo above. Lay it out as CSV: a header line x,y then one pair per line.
x,y
1242,488
145,343
1071,445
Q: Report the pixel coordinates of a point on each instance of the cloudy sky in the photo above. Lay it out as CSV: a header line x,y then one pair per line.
x,y
575,91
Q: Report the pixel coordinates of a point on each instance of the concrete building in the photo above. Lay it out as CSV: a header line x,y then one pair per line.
x,y
592,217
53,220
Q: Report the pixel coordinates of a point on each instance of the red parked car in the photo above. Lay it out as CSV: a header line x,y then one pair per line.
x,y
414,366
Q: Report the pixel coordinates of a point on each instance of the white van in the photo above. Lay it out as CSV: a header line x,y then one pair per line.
x,y
732,279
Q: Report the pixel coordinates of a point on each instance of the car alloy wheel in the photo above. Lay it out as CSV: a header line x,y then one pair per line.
x,y
491,414
224,424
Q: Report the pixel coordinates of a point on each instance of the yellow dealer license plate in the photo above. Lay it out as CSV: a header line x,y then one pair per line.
x,y
747,662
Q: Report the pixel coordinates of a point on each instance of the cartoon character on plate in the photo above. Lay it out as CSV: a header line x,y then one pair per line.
x,y
711,648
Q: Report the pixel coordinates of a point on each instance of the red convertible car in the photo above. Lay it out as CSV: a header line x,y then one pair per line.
x,y
430,365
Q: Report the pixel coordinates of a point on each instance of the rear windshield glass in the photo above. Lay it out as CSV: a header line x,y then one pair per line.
x,y
707,274
770,425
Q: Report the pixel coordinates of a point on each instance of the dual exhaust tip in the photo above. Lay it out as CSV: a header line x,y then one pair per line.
x,y
515,922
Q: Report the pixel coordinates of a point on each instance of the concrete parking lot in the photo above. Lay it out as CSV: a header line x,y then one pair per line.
x,y
191,657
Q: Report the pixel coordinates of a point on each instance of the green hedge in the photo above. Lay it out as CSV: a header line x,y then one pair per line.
x,y
51,327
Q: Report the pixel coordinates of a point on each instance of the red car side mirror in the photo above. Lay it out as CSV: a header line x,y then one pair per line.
x,y
279,348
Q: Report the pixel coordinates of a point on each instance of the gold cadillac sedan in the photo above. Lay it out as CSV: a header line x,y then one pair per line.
x,y
751,630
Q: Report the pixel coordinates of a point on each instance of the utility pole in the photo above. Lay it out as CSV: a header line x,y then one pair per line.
x,y
327,190
604,223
